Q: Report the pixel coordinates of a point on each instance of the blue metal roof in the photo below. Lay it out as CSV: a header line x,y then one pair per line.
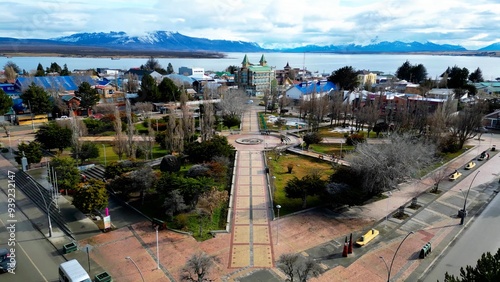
x,y
183,78
8,88
62,83
315,87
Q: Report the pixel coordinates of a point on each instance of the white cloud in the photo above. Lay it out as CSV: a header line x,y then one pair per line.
x,y
279,23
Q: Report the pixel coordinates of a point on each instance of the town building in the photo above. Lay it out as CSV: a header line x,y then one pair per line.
x,y
255,80
304,90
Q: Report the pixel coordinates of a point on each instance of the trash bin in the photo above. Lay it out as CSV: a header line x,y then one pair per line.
x,y
462,213
103,277
267,169
70,247
493,148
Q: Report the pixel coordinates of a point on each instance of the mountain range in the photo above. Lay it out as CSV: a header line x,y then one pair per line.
x,y
167,41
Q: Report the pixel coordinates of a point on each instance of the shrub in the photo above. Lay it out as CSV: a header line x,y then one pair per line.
x,y
355,138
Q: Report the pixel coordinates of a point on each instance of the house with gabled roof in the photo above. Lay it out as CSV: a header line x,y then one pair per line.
x,y
304,90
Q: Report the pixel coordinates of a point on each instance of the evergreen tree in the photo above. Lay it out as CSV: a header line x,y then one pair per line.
x,y
37,99
476,76
91,196
53,136
170,69
346,78
149,90
32,151
168,91
88,95
5,102
39,70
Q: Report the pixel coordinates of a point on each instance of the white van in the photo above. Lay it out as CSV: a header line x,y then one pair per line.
x,y
72,271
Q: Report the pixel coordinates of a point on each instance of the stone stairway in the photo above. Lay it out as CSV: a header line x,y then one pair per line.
x,y
41,197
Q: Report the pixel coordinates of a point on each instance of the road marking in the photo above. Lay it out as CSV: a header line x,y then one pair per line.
x,y
33,263
22,249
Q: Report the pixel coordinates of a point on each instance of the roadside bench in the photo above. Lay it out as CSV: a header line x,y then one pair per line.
x,y
370,235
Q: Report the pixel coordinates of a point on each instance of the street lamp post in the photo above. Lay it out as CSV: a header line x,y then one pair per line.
x,y
104,150
277,225
129,258
389,194
389,268
464,212
46,207
157,248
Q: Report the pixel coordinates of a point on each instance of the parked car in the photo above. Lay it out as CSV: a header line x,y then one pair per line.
x,y
484,155
455,175
7,260
470,165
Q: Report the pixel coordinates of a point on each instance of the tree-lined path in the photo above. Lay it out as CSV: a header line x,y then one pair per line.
x,y
251,243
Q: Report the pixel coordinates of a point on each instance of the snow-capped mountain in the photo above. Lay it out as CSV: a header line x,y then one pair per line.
x,y
158,40
382,47
491,47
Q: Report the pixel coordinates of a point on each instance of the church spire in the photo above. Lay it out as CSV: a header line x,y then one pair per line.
x,y
263,61
245,62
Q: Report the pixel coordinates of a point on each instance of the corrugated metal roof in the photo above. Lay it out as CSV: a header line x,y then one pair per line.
x,y
315,87
61,83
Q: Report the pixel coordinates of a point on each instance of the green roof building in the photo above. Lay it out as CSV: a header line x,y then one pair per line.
x,y
254,79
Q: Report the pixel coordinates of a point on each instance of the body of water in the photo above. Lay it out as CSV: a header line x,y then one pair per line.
x,y
315,62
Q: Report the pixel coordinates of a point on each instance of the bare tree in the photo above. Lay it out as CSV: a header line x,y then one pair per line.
x,y
142,180
105,108
234,103
297,268
211,200
148,141
145,108
131,144
207,119
198,267
131,84
188,123
383,166
120,142
438,176
335,107
369,115
465,124
78,129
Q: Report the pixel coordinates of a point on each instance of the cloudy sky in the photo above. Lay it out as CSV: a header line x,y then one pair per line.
x,y
270,23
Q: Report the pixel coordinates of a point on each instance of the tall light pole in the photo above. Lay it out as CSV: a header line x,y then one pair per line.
x,y
104,150
45,203
395,253
129,258
463,213
278,225
157,248
389,194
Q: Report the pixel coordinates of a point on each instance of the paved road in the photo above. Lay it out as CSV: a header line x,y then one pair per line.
x,y
37,259
480,237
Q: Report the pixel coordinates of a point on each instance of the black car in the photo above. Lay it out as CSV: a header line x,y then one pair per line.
x,y
7,261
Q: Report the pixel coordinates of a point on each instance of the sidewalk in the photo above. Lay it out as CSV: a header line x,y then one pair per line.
x,y
81,226
317,233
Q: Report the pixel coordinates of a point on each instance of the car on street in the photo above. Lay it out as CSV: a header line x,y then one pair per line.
x,y
7,260
455,175
470,165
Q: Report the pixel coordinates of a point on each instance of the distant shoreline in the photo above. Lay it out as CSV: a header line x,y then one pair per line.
x,y
122,54
95,52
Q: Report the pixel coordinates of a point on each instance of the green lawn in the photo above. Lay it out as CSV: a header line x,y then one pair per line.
x,y
111,156
302,166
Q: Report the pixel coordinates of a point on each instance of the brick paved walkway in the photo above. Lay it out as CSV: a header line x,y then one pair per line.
x,y
251,244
